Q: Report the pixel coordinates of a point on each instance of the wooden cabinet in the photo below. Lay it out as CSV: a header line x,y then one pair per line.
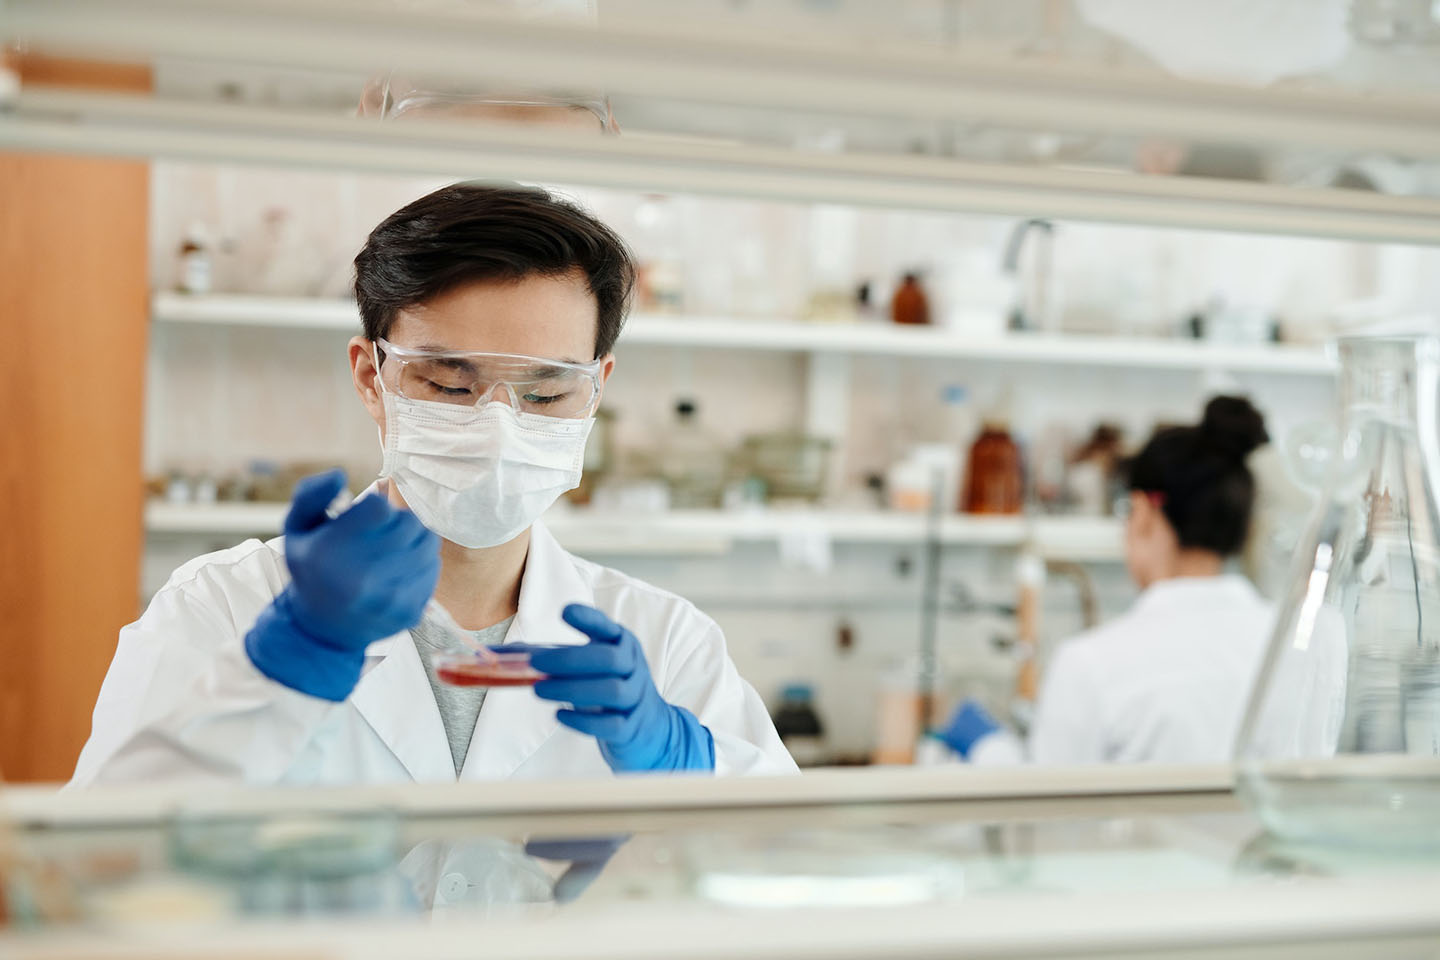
x,y
74,310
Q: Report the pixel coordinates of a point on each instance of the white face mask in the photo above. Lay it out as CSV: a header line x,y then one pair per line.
x,y
479,477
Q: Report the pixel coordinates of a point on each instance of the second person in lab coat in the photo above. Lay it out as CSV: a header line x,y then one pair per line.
x,y
1167,681
489,316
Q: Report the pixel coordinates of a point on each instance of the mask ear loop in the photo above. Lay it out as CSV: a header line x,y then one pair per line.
x,y
383,432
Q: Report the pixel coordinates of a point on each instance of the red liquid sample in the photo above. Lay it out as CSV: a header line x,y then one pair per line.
x,y
487,675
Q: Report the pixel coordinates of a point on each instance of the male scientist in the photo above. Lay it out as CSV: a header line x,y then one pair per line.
x,y
489,316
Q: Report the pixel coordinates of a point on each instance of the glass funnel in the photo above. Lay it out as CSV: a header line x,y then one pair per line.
x,y
1341,741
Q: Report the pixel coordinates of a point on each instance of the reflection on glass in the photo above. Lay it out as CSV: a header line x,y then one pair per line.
x,y
356,863
295,864
215,869
820,869
392,96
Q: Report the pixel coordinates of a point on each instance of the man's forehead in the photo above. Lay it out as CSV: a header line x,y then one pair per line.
x,y
553,317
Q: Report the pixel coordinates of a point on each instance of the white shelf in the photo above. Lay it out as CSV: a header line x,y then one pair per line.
x,y
247,310
887,340
220,519
787,335
684,532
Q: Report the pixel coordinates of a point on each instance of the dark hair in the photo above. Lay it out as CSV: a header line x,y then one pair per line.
x,y
1207,492
471,231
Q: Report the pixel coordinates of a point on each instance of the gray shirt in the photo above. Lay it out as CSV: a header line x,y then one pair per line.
x,y
459,706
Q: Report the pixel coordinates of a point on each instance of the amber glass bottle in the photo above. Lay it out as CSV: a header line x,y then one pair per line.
x,y
994,479
909,305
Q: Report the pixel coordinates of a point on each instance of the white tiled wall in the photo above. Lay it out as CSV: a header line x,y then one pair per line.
x,y
219,397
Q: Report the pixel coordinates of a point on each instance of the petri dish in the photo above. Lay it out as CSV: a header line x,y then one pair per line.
x,y
465,669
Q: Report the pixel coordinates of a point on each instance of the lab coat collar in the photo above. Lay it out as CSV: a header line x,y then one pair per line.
x,y
551,582
1204,591
395,698
382,648
514,723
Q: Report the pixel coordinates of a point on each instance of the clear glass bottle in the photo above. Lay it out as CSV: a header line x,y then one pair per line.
x,y
693,462
1341,741
659,240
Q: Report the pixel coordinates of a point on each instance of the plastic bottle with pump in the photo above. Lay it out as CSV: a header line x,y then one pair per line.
x,y
196,275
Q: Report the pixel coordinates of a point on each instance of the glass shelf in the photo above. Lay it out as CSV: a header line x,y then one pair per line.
x,y
804,870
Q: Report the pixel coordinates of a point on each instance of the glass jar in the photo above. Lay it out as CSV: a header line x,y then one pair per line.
x,y
1341,741
693,462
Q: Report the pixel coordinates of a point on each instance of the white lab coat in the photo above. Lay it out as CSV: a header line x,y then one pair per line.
x,y
1167,682
182,700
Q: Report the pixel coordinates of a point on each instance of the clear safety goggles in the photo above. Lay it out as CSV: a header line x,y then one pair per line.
x,y
550,388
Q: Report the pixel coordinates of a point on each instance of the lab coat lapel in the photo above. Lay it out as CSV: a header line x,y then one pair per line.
x,y
514,723
395,698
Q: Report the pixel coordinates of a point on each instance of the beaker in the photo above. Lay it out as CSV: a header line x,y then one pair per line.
x,y
1341,740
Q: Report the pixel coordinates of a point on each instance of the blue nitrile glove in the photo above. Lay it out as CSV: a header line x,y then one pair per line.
x,y
607,682
970,724
354,579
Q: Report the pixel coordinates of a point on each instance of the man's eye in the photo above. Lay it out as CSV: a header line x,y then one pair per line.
x,y
440,388
542,399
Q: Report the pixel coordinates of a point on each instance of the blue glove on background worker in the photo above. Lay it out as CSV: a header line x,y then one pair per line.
x,y
970,724
607,683
355,578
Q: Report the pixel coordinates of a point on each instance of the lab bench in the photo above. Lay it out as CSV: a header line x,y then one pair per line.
x,y
951,862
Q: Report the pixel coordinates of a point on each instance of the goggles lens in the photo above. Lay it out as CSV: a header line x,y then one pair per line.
x,y
530,384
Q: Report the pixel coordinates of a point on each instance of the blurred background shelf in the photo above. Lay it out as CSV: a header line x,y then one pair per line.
x,y
248,310
715,110
121,126
787,335
1087,539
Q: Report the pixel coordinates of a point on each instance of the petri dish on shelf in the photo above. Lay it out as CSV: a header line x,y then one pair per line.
x,y
468,669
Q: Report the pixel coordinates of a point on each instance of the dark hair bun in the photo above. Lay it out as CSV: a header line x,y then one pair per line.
x,y
1233,426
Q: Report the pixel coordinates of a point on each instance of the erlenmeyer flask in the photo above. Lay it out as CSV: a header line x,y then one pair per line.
x,y
1341,741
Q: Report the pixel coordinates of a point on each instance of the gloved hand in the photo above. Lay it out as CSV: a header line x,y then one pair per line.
x,y
970,724
607,683
355,579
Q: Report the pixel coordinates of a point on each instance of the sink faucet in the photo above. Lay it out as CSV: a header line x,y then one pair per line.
x,y
1032,307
